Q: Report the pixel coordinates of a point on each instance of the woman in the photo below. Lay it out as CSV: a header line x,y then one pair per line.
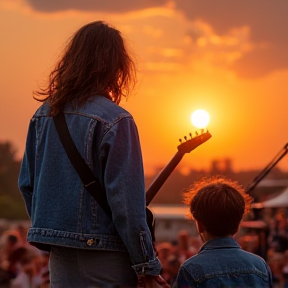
x,y
88,246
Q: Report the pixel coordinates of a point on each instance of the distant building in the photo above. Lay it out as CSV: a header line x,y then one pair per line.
x,y
169,220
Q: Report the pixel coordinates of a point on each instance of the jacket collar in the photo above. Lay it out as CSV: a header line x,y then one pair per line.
x,y
218,243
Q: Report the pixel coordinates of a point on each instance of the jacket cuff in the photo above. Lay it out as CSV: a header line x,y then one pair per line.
x,y
152,267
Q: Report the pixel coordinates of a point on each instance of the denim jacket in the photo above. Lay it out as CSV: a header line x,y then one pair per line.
x,y
62,212
222,263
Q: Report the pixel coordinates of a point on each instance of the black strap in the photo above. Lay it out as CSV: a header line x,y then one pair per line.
x,y
87,176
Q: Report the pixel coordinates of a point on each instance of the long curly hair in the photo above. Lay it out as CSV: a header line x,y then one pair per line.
x,y
94,62
219,203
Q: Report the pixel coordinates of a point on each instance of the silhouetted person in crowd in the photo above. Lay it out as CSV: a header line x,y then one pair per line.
x,y
30,265
184,247
8,268
89,247
217,206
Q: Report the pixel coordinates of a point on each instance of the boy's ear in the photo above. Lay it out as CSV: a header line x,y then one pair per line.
x,y
200,226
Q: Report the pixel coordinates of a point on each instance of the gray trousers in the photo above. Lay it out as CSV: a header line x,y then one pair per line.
x,y
79,268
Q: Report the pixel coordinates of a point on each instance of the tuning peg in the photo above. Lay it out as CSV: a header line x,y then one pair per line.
x,y
185,137
190,134
196,133
180,140
202,131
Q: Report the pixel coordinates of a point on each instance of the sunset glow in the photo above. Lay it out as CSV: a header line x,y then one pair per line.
x,y
188,57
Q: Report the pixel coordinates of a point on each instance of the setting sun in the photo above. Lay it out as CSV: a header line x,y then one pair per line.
x,y
200,118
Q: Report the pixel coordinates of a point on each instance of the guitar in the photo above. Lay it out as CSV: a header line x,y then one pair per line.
x,y
185,147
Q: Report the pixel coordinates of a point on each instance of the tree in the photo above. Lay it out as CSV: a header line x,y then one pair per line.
x,y
11,202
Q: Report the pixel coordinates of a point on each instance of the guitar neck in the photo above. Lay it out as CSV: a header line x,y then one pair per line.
x,y
162,177
185,147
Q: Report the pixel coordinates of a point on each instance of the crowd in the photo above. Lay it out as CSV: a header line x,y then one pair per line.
x,y
24,266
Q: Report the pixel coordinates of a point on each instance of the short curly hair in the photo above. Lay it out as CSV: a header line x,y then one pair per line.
x,y
218,203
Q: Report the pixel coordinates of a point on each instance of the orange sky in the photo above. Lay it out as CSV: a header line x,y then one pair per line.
x,y
188,58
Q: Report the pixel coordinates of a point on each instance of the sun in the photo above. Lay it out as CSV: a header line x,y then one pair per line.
x,y
200,118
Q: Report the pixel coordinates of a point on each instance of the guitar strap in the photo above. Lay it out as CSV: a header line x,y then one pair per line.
x,y
86,175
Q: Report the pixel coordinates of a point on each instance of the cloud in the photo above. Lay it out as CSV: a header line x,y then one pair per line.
x,y
195,47
217,50
88,5
267,21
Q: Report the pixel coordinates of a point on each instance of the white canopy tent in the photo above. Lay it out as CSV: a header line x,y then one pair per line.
x,y
279,201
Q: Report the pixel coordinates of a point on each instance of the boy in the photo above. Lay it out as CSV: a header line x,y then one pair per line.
x,y
217,206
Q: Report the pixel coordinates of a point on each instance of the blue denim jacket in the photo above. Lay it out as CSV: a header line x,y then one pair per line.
x,y
62,212
222,263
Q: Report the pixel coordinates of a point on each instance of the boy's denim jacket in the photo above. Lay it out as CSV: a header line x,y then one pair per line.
x,y
62,212
222,263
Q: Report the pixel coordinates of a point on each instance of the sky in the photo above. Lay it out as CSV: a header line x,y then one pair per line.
x,y
227,57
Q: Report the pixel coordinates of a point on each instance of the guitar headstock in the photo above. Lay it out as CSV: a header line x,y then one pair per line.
x,y
190,144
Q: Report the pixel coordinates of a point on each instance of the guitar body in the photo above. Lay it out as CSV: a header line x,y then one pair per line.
x,y
151,223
